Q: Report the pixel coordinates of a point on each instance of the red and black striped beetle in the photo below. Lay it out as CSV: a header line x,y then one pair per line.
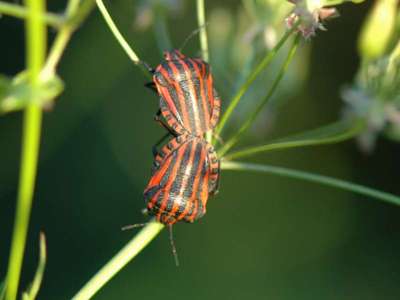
x,y
185,174
188,100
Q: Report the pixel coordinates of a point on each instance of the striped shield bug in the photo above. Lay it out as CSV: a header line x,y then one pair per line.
x,y
188,100
185,173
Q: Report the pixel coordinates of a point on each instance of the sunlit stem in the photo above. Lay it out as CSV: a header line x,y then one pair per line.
x,y
21,12
201,21
357,126
35,55
306,176
121,40
123,257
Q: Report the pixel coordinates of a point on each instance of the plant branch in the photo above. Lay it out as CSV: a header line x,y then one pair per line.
x,y
205,54
201,21
330,134
250,79
306,176
246,125
36,51
117,34
21,12
75,15
123,257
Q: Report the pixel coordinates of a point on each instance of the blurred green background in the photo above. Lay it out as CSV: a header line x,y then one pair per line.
x,y
263,236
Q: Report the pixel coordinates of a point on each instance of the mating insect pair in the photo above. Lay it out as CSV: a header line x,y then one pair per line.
x,y
186,170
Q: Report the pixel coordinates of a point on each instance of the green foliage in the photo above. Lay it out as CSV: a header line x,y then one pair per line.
x,y
316,178
17,93
36,89
332,133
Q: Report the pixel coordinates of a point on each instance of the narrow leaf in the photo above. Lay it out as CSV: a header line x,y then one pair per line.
x,y
329,134
306,176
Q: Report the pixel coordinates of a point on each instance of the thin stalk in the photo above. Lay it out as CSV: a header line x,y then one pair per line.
x,y
117,34
357,126
75,14
124,256
72,7
250,79
306,176
201,21
205,54
246,125
21,12
31,294
36,51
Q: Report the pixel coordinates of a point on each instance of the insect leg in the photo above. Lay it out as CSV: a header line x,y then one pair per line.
x,y
160,121
160,141
214,167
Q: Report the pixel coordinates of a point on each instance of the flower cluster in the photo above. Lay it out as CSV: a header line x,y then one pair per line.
x,y
375,93
310,15
375,96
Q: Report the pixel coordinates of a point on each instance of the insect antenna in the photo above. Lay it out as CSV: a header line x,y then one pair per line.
x,y
171,240
146,66
132,226
191,35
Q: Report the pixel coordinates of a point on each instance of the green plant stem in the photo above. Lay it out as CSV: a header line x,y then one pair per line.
x,y
21,12
247,124
205,54
117,34
125,255
306,176
201,21
37,279
75,14
36,50
342,132
250,79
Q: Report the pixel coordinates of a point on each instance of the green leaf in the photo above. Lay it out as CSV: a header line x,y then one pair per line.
x,y
17,93
33,290
333,133
324,180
